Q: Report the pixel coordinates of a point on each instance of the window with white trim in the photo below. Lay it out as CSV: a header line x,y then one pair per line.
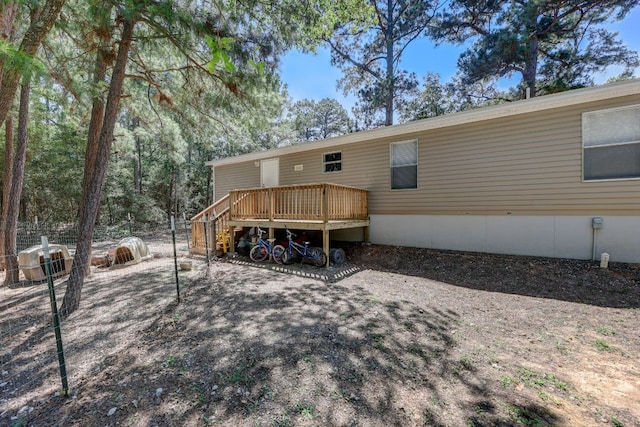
x,y
404,165
332,162
611,143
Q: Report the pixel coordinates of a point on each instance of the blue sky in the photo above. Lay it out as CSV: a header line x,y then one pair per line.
x,y
311,76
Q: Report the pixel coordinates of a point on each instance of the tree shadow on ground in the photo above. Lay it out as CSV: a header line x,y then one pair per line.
x,y
555,278
28,354
246,348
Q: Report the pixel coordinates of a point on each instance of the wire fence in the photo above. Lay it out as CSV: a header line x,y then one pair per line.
x,y
132,265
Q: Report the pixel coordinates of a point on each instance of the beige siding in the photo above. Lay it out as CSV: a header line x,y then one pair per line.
x,y
527,164
524,164
235,177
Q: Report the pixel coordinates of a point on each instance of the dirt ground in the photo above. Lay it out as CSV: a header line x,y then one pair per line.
x,y
394,337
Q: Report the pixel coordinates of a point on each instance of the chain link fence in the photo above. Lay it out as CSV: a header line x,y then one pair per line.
x,y
131,265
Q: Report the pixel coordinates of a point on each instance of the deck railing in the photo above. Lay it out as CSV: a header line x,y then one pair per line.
x,y
318,203
312,202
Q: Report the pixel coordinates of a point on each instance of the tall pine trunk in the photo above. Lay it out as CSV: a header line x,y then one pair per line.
x,y
95,176
6,188
33,37
103,61
531,66
389,89
11,224
8,12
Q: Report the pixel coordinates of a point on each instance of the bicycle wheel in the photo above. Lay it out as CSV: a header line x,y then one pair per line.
x,y
288,256
278,251
337,256
258,253
319,257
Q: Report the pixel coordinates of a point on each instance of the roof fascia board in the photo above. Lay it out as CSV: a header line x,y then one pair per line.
x,y
563,99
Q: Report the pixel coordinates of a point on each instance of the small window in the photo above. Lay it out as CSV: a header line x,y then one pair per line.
x,y
332,162
404,165
611,143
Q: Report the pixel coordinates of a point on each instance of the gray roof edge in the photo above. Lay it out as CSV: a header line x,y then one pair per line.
x,y
562,99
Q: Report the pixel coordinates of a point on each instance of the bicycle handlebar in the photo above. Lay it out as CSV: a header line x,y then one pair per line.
x,y
290,233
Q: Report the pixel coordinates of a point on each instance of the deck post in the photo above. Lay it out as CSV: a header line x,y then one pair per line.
x,y
325,203
270,203
232,210
212,241
325,244
231,230
325,219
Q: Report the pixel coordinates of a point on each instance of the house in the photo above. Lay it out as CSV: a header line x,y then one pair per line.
x,y
554,176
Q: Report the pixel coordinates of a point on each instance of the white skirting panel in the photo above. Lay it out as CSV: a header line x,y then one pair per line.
x,y
548,236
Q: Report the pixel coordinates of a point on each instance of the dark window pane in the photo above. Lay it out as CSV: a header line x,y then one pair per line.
x,y
333,157
618,161
404,177
333,167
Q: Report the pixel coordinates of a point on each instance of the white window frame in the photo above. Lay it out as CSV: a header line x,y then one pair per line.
x,y
391,166
325,163
588,143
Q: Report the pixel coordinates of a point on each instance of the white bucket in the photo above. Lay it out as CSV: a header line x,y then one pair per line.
x,y
604,260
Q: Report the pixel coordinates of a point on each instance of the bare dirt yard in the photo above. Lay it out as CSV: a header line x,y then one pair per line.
x,y
394,337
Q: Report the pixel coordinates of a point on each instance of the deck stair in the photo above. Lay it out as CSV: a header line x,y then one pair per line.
x,y
212,222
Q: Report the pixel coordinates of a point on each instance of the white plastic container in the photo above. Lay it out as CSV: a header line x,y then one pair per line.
x,y
604,260
31,262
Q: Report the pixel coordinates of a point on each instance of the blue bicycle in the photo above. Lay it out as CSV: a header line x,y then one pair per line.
x,y
266,248
297,250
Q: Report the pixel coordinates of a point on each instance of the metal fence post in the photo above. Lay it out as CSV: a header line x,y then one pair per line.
x,y
56,318
175,255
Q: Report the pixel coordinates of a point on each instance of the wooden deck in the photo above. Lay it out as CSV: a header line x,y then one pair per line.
x,y
322,207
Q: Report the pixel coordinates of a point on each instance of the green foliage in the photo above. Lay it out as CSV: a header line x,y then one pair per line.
x,y
370,58
553,45
12,58
239,376
616,422
220,47
319,120
506,381
605,330
435,98
203,87
602,345
306,410
19,422
525,416
53,170
431,101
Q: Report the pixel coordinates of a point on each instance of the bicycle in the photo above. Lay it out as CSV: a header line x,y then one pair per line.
x,y
266,248
295,250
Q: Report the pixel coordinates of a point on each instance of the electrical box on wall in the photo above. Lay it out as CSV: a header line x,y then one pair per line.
x,y
298,168
597,222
